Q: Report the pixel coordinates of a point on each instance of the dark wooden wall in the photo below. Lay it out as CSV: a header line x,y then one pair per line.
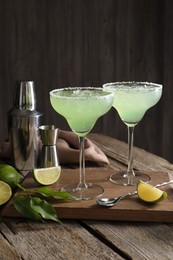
x,y
60,43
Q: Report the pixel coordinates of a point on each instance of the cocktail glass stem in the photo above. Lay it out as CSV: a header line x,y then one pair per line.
x,y
83,190
129,177
130,173
82,184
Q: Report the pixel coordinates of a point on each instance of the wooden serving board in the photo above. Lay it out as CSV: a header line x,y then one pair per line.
x,y
129,209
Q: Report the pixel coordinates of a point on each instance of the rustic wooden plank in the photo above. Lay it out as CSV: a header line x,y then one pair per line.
x,y
118,151
129,209
54,241
140,241
133,240
7,251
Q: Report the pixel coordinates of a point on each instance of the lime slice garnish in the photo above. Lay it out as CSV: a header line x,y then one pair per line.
x,y
149,193
5,192
47,176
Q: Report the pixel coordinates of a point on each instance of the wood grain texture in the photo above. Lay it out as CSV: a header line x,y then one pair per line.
x,y
129,209
94,239
53,242
7,251
117,152
142,240
139,241
61,43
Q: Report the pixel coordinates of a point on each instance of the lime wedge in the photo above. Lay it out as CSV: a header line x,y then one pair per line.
x,y
47,176
5,192
149,193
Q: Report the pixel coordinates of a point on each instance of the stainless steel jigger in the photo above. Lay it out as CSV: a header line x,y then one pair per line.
x,y
49,156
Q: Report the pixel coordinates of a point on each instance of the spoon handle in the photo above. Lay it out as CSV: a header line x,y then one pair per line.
x,y
163,183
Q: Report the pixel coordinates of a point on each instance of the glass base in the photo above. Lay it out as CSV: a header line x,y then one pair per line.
x,y
92,191
121,178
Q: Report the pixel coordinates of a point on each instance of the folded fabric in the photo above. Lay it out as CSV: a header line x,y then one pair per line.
x,y
68,149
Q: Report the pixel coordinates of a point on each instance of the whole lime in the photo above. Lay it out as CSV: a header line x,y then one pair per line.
x,y
9,175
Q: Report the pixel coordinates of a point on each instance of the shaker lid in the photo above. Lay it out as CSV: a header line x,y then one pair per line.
x,y
25,97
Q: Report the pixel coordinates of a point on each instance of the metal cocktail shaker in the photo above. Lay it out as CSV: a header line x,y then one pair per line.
x,y
23,124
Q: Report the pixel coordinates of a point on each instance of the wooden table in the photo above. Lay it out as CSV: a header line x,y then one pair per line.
x,y
91,239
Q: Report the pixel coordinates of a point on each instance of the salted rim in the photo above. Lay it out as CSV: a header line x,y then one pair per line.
x,y
52,93
127,84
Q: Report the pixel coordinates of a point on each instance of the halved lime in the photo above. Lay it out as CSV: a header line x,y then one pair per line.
x,y
47,176
5,192
149,193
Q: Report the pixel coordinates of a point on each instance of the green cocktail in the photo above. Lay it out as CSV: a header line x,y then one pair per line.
x,y
132,100
81,107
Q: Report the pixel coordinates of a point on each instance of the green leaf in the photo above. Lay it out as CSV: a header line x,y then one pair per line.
x,y
44,209
35,208
22,205
45,191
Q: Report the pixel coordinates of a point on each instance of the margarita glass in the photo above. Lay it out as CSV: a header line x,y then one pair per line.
x,y
81,107
132,100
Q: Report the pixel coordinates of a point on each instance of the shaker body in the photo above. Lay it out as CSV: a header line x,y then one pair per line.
x,y
24,141
23,124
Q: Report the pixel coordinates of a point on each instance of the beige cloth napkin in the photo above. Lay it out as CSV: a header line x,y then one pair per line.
x,y
68,149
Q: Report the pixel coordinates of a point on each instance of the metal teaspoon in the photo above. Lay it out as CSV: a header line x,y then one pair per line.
x,y
109,202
